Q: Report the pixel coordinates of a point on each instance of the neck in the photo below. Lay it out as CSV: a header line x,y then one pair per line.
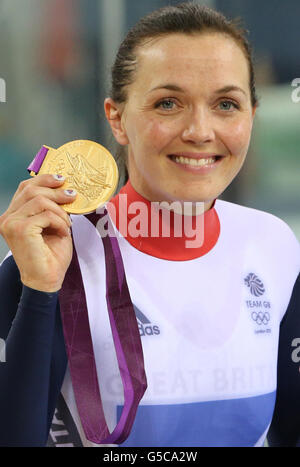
x,y
179,206
173,231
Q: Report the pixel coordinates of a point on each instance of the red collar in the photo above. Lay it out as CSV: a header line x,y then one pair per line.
x,y
173,247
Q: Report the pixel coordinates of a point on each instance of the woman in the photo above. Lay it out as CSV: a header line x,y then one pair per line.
x,y
211,317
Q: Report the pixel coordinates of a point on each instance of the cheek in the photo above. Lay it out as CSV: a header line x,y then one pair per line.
x,y
237,137
155,134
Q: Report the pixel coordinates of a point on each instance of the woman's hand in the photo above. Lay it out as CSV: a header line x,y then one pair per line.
x,y
36,229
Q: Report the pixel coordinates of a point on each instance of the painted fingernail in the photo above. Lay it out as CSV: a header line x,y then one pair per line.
x,y
70,192
58,177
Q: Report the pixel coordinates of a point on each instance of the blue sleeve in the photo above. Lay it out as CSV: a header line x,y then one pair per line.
x,y
285,426
35,360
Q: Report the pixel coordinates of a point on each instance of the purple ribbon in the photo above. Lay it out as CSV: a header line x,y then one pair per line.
x,y
79,344
38,160
80,348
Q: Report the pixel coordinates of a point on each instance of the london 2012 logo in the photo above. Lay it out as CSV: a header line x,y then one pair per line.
x,y
255,285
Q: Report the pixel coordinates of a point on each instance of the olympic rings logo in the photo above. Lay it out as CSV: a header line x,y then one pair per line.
x,y
260,317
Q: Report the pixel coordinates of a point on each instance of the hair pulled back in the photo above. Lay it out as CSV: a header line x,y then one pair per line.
x,y
186,18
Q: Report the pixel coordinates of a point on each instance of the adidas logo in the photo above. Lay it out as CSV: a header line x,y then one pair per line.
x,y
144,325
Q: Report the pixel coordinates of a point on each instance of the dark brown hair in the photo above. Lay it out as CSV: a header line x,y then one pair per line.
x,y
185,18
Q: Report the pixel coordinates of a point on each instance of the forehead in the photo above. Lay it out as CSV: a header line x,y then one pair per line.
x,y
208,59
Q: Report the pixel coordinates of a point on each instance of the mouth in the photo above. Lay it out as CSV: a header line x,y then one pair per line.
x,y
195,160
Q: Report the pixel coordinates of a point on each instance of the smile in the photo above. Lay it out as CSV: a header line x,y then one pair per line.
x,y
198,164
194,162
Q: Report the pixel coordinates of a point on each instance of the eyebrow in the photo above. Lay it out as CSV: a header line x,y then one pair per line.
x,y
225,89
229,89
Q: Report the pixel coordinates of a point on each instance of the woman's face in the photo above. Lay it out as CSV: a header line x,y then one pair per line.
x,y
188,117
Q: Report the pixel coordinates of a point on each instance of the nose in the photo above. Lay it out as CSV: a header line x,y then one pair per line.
x,y
198,128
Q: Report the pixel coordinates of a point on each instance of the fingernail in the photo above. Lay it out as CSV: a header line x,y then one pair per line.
x,y
58,177
70,192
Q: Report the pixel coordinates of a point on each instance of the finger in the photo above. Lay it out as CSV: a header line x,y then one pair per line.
x,y
40,204
29,190
35,225
44,180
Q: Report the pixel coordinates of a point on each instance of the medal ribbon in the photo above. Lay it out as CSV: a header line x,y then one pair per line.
x,y
80,348
38,160
79,344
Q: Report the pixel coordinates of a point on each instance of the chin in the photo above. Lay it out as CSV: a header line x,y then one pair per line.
x,y
197,197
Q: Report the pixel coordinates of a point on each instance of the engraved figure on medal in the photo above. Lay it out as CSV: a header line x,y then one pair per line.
x,y
86,179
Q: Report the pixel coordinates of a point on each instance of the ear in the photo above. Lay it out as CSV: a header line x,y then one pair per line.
x,y
114,114
254,110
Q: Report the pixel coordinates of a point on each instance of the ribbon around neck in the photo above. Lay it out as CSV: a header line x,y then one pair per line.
x,y
79,344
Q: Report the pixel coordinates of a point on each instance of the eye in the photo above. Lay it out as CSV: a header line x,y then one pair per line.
x,y
227,105
165,104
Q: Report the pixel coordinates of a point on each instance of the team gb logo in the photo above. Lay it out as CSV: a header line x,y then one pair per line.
x,y
255,285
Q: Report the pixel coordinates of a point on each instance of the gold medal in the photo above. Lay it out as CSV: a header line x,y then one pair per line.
x,y
88,168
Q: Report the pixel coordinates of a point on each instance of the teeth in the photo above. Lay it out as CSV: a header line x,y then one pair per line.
x,y
194,162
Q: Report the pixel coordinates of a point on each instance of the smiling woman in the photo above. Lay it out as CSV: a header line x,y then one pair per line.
x,y
216,321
